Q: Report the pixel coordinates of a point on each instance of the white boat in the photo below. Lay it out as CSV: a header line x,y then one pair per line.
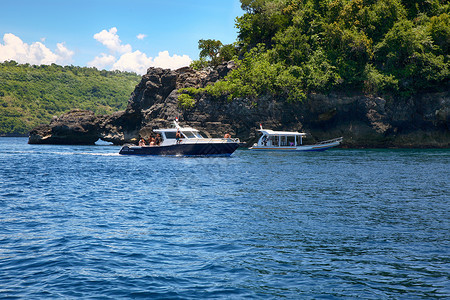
x,y
290,141
188,143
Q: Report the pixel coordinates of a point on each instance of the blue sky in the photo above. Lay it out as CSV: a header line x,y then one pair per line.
x,y
127,35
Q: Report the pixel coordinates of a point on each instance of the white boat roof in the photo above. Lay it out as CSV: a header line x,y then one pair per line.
x,y
175,129
272,132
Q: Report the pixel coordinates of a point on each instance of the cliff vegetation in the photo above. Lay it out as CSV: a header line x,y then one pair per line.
x,y
291,48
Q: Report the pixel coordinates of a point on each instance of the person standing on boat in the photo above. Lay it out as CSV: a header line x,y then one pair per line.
x,y
141,142
264,140
178,136
158,139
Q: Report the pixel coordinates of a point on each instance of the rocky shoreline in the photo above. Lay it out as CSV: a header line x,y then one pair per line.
x,y
13,135
365,121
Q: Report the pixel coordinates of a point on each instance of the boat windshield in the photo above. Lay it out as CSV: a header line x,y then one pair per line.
x,y
189,134
198,135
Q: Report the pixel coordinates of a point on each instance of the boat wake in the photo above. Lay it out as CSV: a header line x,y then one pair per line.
x,y
64,153
99,154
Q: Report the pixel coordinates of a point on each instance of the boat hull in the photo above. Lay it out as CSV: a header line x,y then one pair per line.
x,y
318,147
198,149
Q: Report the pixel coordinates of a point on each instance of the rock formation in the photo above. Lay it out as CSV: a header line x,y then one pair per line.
x,y
363,121
78,127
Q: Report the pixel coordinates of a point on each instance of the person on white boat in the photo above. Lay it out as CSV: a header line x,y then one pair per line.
x,y
264,140
141,142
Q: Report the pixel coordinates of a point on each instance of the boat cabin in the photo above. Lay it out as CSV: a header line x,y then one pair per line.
x,y
186,132
280,139
168,135
291,141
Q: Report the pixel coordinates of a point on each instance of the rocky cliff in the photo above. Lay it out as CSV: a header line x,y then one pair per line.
x,y
363,121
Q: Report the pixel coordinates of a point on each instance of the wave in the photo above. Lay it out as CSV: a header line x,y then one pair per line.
x,y
100,154
62,153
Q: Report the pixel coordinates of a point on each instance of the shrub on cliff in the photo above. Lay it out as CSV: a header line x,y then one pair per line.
x,y
186,101
395,46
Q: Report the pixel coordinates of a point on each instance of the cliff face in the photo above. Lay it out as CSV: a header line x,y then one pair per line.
x,y
363,121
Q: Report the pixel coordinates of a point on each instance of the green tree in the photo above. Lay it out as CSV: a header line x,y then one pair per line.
x,y
199,63
407,52
416,7
210,48
376,46
261,23
439,29
227,52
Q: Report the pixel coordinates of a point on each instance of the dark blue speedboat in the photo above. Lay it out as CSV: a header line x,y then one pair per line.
x,y
189,142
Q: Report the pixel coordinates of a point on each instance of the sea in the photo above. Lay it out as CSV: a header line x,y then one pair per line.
x,y
83,222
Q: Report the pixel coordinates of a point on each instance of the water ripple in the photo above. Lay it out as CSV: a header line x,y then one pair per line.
x,y
84,222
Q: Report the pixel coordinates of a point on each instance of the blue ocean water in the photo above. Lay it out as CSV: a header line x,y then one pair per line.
x,y
84,222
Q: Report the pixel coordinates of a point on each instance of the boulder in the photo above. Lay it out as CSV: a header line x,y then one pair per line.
x,y
77,127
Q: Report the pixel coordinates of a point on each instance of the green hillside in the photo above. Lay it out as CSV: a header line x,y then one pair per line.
x,y
289,48
32,95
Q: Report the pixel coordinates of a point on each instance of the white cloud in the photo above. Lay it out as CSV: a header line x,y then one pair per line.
x,y
102,61
36,53
64,53
141,36
136,61
164,60
133,62
111,40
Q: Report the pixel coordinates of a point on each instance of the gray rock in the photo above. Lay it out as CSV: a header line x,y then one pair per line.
x,y
77,126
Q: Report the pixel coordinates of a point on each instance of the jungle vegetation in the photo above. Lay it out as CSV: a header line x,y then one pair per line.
x,y
289,48
31,95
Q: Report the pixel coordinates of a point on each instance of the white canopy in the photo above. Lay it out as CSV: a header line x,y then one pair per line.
x,y
176,128
182,129
281,133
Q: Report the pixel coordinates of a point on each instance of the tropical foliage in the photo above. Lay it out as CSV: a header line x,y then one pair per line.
x,y
215,51
290,48
31,95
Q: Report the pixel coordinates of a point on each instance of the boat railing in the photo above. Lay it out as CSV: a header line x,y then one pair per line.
x,y
339,139
209,140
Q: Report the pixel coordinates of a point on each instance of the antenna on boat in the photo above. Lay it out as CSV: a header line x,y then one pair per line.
x,y
176,123
260,126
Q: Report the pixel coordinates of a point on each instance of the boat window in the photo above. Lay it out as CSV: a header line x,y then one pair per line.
x,y
198,135
170,134
291,141
274,140
189,134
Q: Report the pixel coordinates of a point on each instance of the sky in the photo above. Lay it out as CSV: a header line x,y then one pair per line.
x,y
126,35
